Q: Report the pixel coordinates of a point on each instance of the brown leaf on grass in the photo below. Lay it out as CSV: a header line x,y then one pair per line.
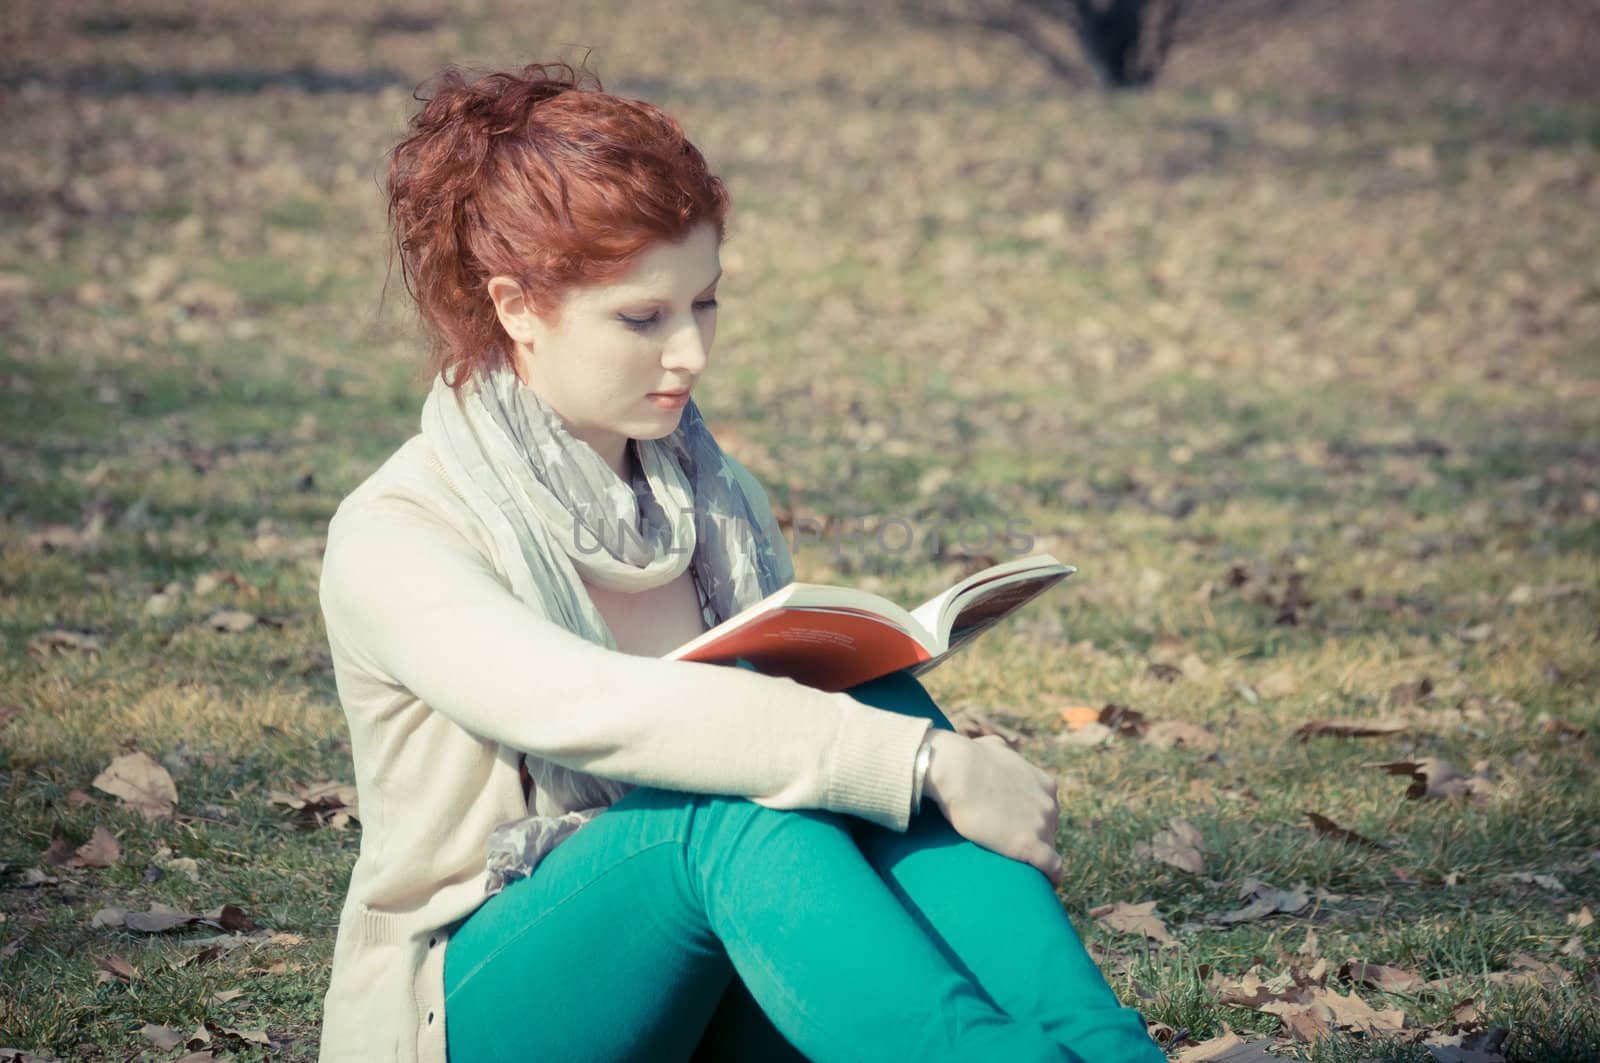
x,y
1251,992
64,642
1480,1047
1534,878
204,1056
1581,918
65,537
1088,736
1075,716
1350,728
101,850
1326,1008
1172,734
1179,845
163,1037
1302,1020
1438,780
1377,976
113,968
317,804
60,853
1329,829
232,621
207,582
1531,972
141,784
1466,1013
17,1055
225,996
1229,1048
233,919
1263,901
1555,725
1165,673
1129,723
255,1037
159,919
1280,683
1411,693
1139,919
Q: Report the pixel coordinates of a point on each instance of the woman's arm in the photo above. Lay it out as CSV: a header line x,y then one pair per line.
x,y
413,604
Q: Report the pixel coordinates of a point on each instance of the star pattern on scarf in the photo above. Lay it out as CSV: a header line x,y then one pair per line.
x,y
550,451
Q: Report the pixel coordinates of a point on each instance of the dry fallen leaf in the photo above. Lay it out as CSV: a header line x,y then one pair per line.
x,y
1436,779
101,850
141,784
159,919
1278,684
1134,919
1581,918
1129,723
317,804
1376,976
1533,878
1319,1009
1229,1048
1169,734
64,642
1351,728
231,620
114,968
163,1037
1179,845
1090,735
1329,829
1076,716
1480,1047
1264,901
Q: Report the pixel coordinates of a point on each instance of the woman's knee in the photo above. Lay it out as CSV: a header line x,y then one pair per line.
x,y
901,692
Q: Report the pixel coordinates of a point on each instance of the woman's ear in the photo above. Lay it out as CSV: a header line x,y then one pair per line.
x,y
512,307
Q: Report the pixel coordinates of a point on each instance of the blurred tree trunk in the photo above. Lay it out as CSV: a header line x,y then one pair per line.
x,y
1127,40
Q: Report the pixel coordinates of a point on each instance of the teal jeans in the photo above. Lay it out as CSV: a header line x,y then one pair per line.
x,y
687,926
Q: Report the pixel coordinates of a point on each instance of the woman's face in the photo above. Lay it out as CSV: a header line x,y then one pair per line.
x,y
618,343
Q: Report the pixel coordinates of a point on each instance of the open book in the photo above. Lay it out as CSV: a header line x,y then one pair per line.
x,y
835,637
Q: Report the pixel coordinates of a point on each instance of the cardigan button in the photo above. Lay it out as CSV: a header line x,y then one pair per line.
x,y
432,942
430,1018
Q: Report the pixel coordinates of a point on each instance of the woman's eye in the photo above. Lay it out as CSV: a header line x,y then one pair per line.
x,y
640,324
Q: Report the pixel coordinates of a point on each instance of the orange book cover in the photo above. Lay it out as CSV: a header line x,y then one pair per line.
x,y
833,638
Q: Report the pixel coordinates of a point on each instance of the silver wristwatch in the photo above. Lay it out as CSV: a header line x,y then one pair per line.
x,y
920,772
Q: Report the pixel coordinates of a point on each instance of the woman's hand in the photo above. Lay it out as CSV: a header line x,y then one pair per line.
x,y
994,796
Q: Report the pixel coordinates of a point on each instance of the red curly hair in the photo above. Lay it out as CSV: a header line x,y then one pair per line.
x,y
537,177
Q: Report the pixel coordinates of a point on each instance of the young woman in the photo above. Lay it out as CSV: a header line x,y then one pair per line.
x,y
571,848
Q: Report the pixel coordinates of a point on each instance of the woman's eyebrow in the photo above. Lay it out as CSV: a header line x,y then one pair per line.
x,y
655,300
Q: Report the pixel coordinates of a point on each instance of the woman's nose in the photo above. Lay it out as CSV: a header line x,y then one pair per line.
x,y
687,350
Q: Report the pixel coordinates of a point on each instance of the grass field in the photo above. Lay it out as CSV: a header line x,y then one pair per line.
x,y
1302,373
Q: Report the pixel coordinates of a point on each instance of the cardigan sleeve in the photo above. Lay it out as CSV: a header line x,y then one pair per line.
x,y
415,605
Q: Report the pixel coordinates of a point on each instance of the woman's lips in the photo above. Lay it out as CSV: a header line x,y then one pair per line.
x,y
668,400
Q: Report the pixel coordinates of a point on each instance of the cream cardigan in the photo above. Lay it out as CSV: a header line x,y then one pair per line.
x,y
446,678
